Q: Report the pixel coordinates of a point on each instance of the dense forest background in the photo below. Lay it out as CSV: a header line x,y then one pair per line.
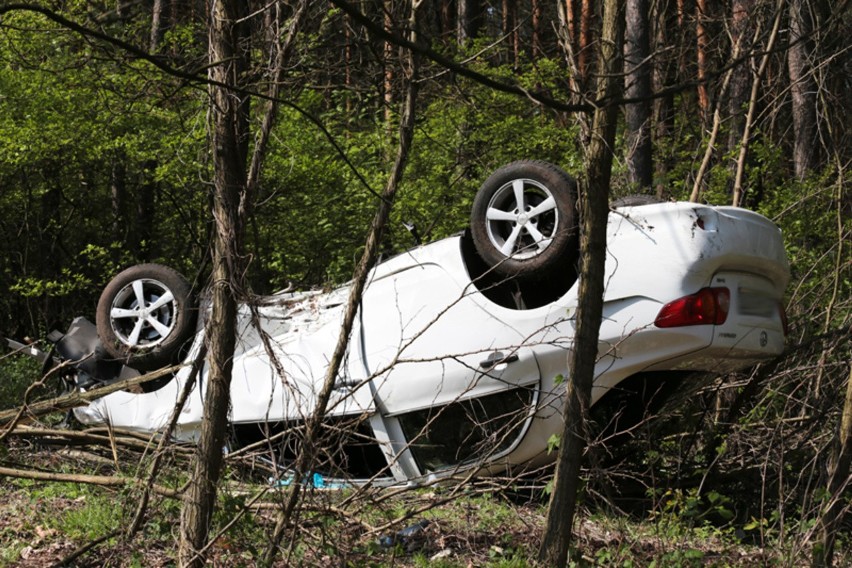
x,y
105,162
105,158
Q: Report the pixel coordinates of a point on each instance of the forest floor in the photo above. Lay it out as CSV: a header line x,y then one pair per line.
x,y
46,523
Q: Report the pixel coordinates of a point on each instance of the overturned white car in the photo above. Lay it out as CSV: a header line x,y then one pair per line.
x,y
461,345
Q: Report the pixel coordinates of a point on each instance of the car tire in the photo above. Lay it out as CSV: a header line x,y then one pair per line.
x,y
634,201
145,315
530,239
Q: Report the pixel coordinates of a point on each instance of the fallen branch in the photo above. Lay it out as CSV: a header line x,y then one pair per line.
x,y
80,398
102,480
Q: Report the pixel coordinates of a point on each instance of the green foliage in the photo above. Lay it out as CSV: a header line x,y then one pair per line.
x,y
75,125
678,508
815,225
17,373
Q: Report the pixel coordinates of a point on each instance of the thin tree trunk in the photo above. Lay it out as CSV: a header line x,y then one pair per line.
x,y
118,194
701,56
388,63
467,20
281,53
537,49
229,111
157,12
347,62
594,199
571,19
695,196
510,30
664,114
752,107
585,51
143,235
637,78
802,90
738,87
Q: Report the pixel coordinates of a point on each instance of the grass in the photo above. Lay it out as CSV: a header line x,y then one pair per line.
x,y
41,523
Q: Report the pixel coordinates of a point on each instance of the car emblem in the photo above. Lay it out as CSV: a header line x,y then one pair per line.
x,y
764,339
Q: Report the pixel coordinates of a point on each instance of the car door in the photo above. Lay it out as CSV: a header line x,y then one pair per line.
x,y
427,346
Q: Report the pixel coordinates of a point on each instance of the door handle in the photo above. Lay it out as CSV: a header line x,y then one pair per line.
x,y
497,358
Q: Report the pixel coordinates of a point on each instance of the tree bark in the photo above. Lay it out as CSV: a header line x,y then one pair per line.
x,y
585,51
537,49
146,209
118,195
510,30
701,43
738,87
467,20
737,197
637,78
229,112
802,90
388,64
664,108
594,200
156,25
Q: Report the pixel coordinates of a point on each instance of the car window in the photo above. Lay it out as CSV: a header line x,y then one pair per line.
x,y
468,430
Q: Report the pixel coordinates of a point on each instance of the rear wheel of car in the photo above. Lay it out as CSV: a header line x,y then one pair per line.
x,y
524,222
145,315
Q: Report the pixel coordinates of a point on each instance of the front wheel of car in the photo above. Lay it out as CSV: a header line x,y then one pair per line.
x,y
145,315
524,222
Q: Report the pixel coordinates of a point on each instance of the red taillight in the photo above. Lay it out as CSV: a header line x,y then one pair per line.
x,y
705,307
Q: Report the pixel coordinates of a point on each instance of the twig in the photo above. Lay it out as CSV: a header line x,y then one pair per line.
x,y
67,561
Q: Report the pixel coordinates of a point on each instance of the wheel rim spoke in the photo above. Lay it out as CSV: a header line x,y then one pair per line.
x,y
119,313
518,188
162,329
540,240
133,340
494,214
162,301
139,292
509,246
546,205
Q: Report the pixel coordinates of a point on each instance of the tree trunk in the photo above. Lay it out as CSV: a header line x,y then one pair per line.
x,y
594,199
637,79
701,42
738,87
585,51
664,108
157,12
467,20
802,89
738,196
388,64
537,49
510,30
143,235
118,194
229,112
